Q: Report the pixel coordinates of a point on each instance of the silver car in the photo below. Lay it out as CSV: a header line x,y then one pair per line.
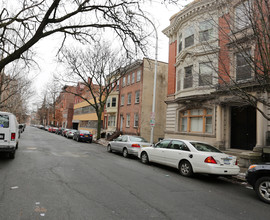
x,y
127,145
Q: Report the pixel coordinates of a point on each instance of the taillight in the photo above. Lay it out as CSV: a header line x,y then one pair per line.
x,y
90,135
13,136
210,160
81,134
236,162
135,145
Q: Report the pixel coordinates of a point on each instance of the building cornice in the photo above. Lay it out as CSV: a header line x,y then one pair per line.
x,y
191,10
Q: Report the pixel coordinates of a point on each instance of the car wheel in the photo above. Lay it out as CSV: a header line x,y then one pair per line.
x,y
262,188
11,155
109,149
90,141
144,158
185,168
125,153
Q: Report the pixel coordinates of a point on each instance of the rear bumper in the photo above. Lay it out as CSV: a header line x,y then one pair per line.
x,y
217,170
7,149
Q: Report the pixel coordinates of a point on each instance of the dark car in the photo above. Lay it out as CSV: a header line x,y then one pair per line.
x,y
258,176
83,135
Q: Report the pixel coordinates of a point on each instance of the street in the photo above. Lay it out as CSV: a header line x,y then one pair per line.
x,y
53,177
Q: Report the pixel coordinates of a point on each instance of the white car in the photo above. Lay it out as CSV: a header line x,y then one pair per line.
x,y
190,157
9,134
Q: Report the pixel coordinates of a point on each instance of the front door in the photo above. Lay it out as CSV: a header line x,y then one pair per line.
x,y
243,127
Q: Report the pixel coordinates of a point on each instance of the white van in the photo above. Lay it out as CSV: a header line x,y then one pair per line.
x,y
9,133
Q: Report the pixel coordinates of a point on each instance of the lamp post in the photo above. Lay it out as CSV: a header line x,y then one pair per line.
x,y
152,118
152,123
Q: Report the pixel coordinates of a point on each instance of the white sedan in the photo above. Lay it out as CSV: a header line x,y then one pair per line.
x,y
190,157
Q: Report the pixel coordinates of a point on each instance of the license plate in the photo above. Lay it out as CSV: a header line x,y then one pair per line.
x,y
2,136
227,161
86,136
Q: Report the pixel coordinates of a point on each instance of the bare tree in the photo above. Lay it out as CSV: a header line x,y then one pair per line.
x,y
23,23
98,70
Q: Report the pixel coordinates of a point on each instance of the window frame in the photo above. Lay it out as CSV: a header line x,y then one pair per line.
x,y
114,102
128,120
129,98
122,100
136,120
137,97
139,74
186,114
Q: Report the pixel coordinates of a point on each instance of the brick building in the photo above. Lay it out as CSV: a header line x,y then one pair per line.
x,y
203,57
134,101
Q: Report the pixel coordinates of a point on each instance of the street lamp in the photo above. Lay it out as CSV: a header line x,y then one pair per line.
x,y
152,121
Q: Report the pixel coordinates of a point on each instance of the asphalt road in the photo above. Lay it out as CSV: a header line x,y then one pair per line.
x,y
57,178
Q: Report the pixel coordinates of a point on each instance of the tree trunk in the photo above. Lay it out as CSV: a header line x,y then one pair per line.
x,y
99,114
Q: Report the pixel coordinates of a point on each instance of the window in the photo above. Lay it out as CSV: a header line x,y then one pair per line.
x,y
196,121
206,30
133,77
138,75
113,101
163,144
189,37
180,43
242,15
128,79
124,81
129,99
136,120
4,121
128,120
137,97
117,86
179,145
205,74
188,80
243,68
111,120
122,100
108,102
178,82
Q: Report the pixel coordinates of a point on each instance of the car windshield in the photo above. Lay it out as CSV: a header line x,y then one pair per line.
x,y
4,121
205,147
136,139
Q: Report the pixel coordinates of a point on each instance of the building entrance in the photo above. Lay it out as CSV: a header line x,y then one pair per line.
x,y
243,127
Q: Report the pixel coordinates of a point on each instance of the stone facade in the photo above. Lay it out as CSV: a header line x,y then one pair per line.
x,y
199,107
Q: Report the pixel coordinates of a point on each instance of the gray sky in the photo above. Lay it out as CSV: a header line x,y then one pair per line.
x,y
47,48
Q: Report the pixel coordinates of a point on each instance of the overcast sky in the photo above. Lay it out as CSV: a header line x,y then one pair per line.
x,y
47,48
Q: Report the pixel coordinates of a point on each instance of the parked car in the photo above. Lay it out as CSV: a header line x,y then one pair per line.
x,y
258,176
9,134
54,129
127,144
50,129
59,131
83,135
190,157
65,131
70,133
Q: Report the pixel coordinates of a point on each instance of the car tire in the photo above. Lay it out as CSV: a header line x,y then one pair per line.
x,y
125,152
109,149
144,158
90,141
185,168
11,155
262,188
